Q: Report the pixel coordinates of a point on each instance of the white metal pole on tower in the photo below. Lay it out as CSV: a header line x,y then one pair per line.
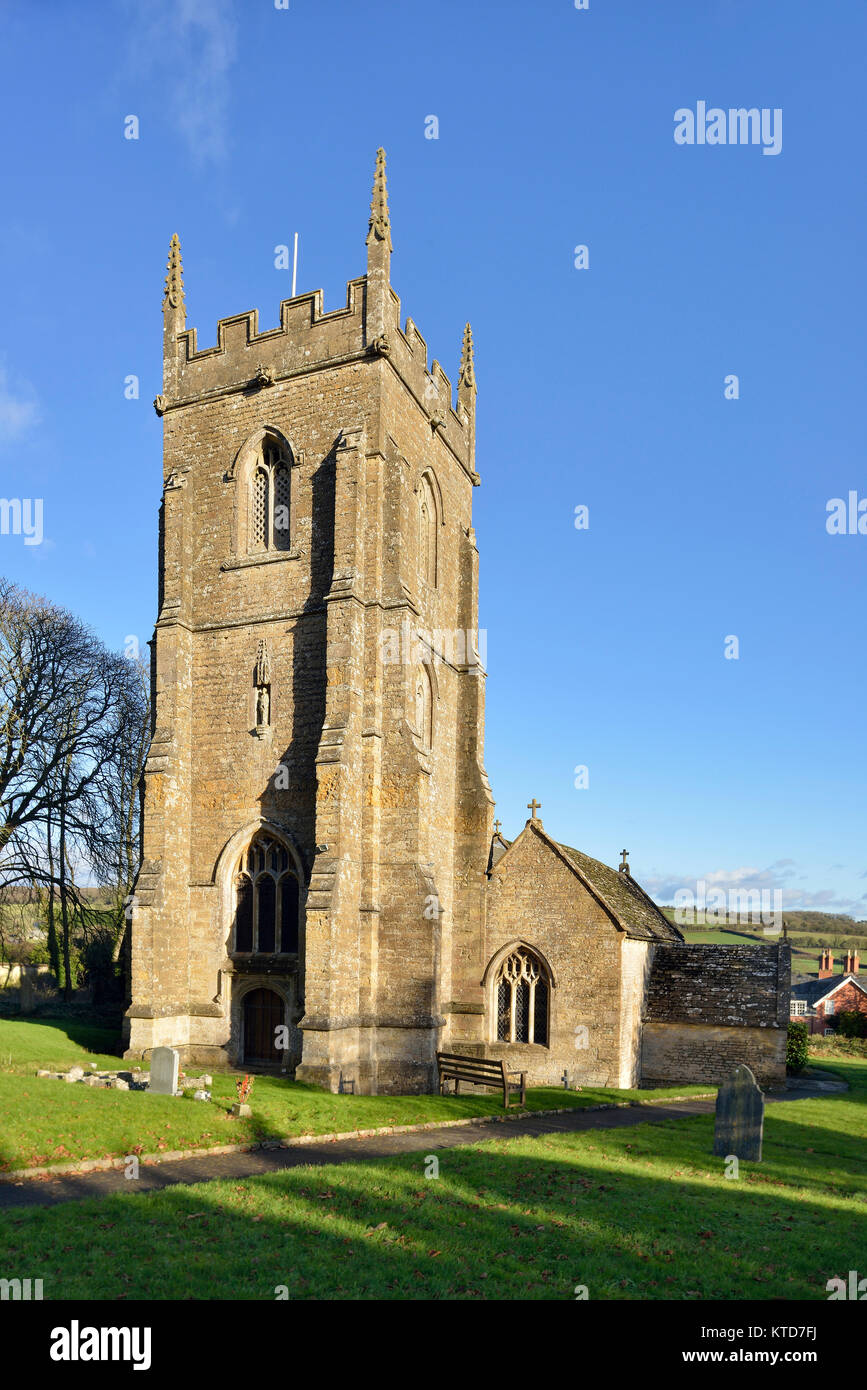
x,y
295,265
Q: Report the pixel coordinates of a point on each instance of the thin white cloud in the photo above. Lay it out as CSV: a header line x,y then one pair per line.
x,y
781,875
190,46
19,409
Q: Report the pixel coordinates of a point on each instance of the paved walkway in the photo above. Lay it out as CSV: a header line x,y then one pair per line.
x,y
70,1187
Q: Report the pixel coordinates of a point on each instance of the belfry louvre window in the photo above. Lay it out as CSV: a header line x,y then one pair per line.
x,y
270,510
267,898
522,997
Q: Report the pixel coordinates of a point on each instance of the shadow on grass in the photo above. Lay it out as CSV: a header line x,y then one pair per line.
x,y
30,1038
527,1219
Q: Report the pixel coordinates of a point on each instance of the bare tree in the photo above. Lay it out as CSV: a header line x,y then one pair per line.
x,y
74,731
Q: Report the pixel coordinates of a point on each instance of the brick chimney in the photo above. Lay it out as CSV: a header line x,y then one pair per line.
x,y
826,964
850,965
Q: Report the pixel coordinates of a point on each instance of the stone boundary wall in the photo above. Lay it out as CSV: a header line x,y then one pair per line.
x,y
695,1054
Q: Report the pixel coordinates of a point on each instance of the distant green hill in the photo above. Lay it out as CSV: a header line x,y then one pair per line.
x,y
833,929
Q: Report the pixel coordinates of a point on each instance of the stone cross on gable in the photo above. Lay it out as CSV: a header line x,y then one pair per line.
x,y
624,866
534,806
497,826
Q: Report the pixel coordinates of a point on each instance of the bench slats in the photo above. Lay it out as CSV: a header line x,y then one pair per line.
x,y
480,1071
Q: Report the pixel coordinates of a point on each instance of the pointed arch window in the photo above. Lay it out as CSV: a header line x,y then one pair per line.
x,y
267,900
270,502
424,705
522,998
260,509
428,531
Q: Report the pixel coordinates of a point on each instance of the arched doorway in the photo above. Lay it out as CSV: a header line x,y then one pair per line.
x,y
264,1013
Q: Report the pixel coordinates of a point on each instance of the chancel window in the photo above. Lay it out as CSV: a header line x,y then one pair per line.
x,y
267,899
270,501
522,998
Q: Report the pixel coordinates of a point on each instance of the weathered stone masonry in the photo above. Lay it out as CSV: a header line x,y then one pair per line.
x,y
712,1007
369,772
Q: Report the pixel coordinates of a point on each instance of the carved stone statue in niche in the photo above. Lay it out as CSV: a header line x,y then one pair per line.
x,y
262,682
263,706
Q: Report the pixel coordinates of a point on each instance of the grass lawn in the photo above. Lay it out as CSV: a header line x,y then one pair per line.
x,y
45,1121
638,1213
26,1045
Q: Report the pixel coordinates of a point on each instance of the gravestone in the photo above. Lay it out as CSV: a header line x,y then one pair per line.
x,y
740,1116
164,1071
26,995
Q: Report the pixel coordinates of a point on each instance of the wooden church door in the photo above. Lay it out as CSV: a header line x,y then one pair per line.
x,y
263,1015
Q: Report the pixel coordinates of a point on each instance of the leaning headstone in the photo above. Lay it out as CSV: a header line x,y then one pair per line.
x,y
164,1071
740,1116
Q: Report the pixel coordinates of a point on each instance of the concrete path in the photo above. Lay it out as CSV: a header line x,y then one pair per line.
x,y
70,1187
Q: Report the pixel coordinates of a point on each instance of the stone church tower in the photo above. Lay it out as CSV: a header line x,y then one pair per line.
x,y
317,821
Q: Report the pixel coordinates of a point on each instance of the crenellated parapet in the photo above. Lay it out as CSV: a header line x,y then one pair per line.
x,y
450,415
307,339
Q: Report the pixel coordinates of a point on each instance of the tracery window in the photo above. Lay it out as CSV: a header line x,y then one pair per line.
x,y
267,899
522,997
270,501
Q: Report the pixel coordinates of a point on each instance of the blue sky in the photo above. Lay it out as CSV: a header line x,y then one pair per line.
x,y
601,387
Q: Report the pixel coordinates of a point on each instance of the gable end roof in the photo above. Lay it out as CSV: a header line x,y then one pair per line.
x,y
814,991
625,899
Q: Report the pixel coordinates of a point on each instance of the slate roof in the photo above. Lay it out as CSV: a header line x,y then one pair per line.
x,y
813,990
625,899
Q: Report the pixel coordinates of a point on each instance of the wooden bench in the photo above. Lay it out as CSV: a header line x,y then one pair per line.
x,y
480,1071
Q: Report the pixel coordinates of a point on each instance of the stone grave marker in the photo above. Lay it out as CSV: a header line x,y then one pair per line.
x,y
164,1071
26,995
740,1117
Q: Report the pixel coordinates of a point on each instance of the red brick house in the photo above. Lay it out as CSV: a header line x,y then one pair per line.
x,y
817,1002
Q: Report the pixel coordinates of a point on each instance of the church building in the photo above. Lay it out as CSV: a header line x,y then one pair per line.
x,y
323,890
